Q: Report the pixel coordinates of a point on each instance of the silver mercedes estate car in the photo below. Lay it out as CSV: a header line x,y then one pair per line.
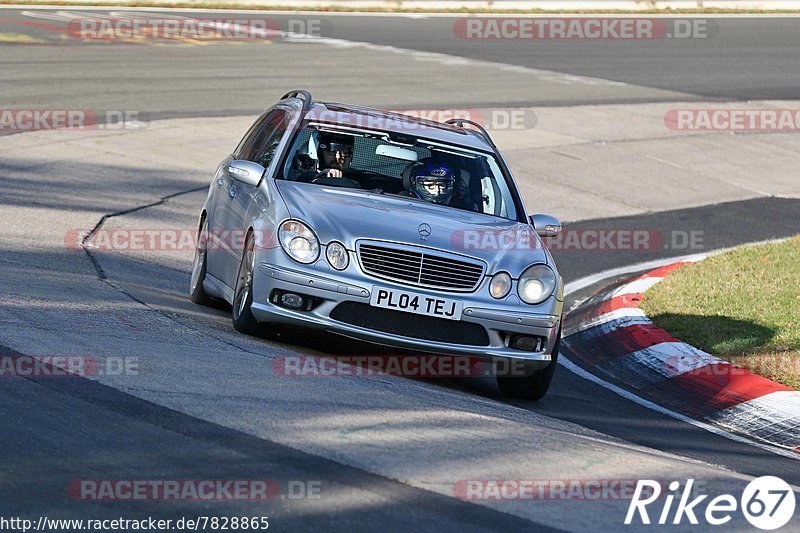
x,y
385,228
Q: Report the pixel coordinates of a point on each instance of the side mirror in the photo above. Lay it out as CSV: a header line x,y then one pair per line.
x,y
546,225
246,171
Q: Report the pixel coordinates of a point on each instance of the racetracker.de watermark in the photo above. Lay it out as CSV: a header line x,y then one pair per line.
x,y
407,365
493,119
168,28
579,239
177,29
583,28
164,239
22,120
544,489
193,489
57,366
765,365
523,239
747,120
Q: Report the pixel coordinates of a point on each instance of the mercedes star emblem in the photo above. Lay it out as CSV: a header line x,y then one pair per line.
x,y
424,231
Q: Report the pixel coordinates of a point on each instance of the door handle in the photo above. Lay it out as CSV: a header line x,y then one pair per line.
x,y
232,192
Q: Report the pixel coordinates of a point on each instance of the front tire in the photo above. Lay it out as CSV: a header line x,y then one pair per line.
x,y
534,385
243,319
196,291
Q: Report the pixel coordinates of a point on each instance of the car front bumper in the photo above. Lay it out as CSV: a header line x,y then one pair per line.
x,y
332,288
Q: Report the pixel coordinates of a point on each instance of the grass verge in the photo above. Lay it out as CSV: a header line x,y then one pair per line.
x,y
743,306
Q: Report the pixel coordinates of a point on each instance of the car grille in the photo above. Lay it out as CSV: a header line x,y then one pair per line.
x,y
410,325
420,267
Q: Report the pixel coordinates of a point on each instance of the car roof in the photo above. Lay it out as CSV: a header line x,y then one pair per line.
x,y
337,114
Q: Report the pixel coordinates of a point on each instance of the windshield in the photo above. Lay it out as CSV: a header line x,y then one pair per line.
x,y
418,169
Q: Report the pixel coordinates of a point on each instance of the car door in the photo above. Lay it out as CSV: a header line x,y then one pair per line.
x,y
219,230
231,209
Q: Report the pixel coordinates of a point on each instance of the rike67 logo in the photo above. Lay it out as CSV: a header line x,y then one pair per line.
x,y
767,503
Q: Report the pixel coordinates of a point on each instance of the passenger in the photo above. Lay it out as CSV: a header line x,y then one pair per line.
x,y
436,184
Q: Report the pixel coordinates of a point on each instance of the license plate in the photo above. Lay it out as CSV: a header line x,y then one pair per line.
x,y
416,303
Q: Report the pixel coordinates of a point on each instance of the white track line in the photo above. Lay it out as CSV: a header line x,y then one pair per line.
x,y
432,14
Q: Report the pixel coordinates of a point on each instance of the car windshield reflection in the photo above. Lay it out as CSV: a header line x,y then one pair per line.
x,y
438,174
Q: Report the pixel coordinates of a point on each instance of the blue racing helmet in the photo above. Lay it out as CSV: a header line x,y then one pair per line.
x,y
432,183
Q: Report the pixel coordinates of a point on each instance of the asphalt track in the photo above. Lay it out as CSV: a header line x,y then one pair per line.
x,y
752,59
55,431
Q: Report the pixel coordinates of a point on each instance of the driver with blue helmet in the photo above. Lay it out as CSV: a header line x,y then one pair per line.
x,y
430,182
434,183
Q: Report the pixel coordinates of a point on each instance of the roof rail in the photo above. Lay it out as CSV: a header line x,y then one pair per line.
x,y
297,93
459,122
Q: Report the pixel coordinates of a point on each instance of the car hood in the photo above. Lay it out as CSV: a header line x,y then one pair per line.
x,y
346,215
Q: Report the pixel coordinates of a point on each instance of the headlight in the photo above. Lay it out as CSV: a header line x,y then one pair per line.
x,y
500,285
536,284
298,241
337,255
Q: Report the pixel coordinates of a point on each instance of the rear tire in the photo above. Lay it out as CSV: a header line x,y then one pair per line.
x,y
535,385
243,319
196,291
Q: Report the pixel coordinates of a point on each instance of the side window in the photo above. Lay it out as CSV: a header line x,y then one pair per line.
x,y
246,144
268,138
